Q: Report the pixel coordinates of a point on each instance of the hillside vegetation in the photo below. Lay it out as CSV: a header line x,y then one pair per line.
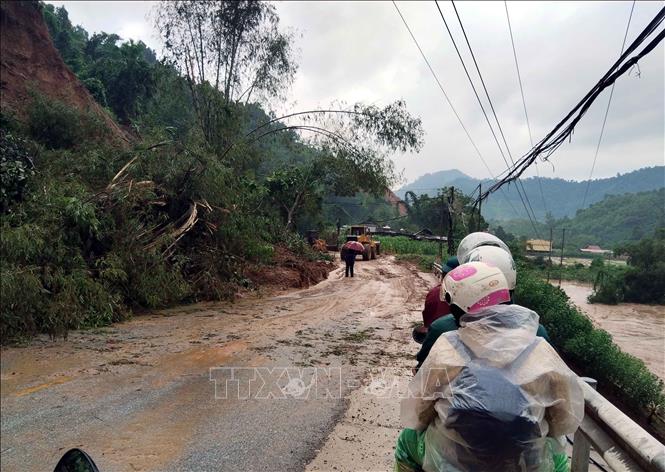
x,y
211,185
615,220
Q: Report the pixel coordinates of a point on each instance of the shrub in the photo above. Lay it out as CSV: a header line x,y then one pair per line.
x,y
645,285
59,126
608,288
151,283
16,167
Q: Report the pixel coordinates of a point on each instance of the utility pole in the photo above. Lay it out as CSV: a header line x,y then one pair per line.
x,y
480,204
563,245
549,266
443,225
451,202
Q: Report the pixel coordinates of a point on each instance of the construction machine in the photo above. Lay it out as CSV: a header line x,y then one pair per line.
x,y
363,235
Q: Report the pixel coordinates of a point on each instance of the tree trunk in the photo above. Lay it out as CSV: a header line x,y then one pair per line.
x,y
291,211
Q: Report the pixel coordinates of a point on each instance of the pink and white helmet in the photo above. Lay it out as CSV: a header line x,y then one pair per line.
x,y
474,286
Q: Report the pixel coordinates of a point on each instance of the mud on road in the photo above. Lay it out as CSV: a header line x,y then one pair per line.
x,y
139,395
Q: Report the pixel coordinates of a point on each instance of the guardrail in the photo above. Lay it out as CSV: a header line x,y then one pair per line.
x,y
623,444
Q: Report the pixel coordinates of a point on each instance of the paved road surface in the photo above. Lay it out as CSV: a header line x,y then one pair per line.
x,y
139,395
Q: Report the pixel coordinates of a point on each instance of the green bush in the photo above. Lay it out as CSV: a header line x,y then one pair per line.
x,y
645,285
608,288
16,167
59,126
590,349
153,284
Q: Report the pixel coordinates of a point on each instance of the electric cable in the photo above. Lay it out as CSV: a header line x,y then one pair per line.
x,y
564,129
436,78
524,198
607,110
526,114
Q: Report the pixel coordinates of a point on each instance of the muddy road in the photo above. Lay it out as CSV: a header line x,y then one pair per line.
x,y
141,395
638,329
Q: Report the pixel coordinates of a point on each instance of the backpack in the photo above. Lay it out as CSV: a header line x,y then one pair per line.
x,y
491,415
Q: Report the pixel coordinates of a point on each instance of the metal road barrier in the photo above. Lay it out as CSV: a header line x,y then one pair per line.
x,y
621,442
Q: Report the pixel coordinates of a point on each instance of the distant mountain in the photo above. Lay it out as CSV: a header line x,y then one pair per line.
x,y
562,197
614,220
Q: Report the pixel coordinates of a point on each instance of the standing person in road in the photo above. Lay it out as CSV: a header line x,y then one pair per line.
x,y
349,258
491,396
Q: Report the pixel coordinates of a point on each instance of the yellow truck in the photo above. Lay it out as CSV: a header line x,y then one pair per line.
x,y
363,235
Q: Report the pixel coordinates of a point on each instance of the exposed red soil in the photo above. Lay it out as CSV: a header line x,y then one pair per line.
x,y
288,271
30,62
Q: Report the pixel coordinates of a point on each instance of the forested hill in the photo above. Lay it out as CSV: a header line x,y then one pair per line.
x,y
615,220
562,197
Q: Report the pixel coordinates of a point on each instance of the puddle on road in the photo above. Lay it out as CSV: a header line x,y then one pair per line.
x,y
638,329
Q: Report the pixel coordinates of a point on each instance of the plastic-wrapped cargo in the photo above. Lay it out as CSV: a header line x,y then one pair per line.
x,y
492,396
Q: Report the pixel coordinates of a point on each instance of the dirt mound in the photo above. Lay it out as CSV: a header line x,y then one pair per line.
x,y
29,61
289,271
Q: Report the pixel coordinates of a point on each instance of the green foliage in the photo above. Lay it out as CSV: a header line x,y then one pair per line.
x,y
122,77
59,126
433,213
642,281
16,167
97,231
69,40
97,89
614,220
590,349
607,288
405,245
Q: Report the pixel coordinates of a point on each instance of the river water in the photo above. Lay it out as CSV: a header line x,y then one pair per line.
x,y
638,329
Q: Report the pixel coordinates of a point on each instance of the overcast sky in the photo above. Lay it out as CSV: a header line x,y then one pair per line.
x,y
361,51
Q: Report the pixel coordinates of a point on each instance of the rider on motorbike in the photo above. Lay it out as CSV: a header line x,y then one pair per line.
x,y
491,395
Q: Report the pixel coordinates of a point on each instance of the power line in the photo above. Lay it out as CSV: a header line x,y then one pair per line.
x,y
526,114
489,99
436,78
564,129
607,110
482,108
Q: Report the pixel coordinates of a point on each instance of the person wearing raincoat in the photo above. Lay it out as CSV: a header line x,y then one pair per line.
x,y
491,396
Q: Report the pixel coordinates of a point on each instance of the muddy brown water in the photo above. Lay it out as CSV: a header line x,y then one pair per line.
x,y
638,329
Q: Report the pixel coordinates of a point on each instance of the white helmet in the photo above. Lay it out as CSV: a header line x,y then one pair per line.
x,y
495,257
478,239
474,286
